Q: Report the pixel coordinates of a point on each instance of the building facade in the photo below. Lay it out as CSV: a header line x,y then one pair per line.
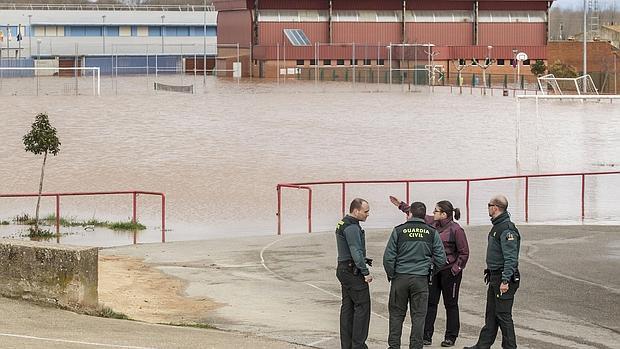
x,y
97,35
370,32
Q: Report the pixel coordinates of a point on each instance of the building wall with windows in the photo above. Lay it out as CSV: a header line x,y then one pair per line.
x,y
100,30
458,29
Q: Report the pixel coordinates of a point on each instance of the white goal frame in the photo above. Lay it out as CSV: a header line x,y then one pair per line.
x,y
584,85
96,74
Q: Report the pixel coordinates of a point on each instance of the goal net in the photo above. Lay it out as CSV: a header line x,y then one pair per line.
x,y
582,85
157,86
52,81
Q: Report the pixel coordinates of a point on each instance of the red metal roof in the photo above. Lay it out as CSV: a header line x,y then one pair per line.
x,y
228,5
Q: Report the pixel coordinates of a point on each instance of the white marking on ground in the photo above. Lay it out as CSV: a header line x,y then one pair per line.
x,y
262,259
322,340
72,342
529,259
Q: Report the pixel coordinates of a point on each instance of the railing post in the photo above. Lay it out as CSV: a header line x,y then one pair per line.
x,y
57,214
583,197
467,202
278,213
133,219
527,188
407,194
163,217
344,197
309,210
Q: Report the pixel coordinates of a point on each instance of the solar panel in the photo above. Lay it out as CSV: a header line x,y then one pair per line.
x,y
297,37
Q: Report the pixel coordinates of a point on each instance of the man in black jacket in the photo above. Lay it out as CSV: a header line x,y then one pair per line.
x,y
354,277
502,275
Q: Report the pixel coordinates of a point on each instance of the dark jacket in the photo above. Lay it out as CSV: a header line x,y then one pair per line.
x,y
454,243
351,243
453,238
411,249
504,243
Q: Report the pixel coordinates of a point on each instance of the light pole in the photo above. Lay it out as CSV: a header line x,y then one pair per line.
x,y
38,49
162,33
204,42
514,63
30,35
103,32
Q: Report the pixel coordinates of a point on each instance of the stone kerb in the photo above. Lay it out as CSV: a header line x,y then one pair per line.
x,y
62,275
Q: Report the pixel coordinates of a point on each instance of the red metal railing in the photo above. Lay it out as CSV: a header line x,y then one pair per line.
x,y
468,181
134,194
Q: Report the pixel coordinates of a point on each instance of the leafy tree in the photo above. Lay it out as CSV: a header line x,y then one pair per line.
x,y
561,70
41,139
538,68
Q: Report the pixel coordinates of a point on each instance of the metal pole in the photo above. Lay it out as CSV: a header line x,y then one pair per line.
x,y
278,214
390,59
134,204
163,218
162,33
38,61
57,214
30,36
527,190
407,199
309,210
204,47
585,37
344,194
583,197
354,64
103,32
278,63
467,201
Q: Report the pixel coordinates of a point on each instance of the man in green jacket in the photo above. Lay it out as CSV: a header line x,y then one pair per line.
x,y
354,277
502,275
412,249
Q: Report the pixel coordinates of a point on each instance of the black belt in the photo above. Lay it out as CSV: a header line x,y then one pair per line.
x,y
496,272
347,262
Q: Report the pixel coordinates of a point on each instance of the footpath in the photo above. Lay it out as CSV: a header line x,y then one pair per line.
x,y
281,292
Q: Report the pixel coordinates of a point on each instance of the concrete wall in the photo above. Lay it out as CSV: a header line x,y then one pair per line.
x,y
61,275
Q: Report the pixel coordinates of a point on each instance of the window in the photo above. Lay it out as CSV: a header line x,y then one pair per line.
x,y
134,30
367,62
327,62
355,62
313,62
297,37
300,62
500,62
526,62
340,62
154,31
111,31
474,62
381,62
462,61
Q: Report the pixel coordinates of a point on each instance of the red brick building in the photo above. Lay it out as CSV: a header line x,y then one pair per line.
x,y
345,33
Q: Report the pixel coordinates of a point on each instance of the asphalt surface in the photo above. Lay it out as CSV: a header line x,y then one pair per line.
x,y
281,292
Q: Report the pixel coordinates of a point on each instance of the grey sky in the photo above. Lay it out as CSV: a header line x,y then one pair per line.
x,y
578,4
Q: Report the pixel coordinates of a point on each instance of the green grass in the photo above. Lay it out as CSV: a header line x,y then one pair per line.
x,y
72,222
126,226
193,324
111,314
5,222
40,233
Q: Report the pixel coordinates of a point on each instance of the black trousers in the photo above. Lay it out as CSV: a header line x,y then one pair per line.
x,y
447,285
498,314
412,290
355,308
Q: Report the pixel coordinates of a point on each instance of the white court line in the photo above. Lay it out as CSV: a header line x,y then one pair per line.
x,y
262,260
72,342
320,341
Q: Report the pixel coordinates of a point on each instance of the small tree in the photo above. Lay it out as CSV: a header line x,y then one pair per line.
x,y
538,68
41,139
561,70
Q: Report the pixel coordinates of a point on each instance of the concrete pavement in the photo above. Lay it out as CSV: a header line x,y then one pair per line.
x,y
285,288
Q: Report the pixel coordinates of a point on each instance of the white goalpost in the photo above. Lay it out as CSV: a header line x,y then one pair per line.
x,y
582,85
50,81
403,57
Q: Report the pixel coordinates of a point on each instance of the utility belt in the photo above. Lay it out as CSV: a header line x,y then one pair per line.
x,y
350,265
488,273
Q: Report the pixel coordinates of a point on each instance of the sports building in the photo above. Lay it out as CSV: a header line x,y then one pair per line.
x,y
368,38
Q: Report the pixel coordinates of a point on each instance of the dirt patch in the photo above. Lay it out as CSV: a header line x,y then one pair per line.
x,y
129,286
